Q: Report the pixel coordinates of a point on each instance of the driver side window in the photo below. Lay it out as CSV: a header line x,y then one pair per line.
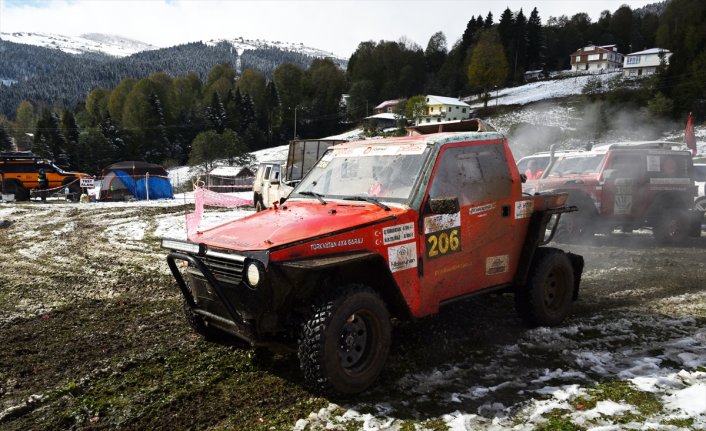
x,y
473,174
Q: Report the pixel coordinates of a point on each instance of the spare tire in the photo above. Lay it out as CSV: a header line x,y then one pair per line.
x,y
15,187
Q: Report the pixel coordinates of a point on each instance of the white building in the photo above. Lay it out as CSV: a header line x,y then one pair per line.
x,y
645,63
440,109
596,59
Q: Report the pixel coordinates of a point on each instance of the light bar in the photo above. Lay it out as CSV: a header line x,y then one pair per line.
x,y
179,245
226,256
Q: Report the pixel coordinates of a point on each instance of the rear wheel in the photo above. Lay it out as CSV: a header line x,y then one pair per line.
x,y
343,346
546,298
672,227
15,187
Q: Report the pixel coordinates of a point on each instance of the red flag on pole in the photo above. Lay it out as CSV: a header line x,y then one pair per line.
x,y
690,138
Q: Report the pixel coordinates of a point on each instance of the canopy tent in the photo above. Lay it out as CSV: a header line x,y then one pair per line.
x,y
135,180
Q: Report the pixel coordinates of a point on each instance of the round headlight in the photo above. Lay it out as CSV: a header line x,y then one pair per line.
x,y
252,274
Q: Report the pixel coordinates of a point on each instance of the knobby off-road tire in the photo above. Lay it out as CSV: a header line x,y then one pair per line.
x,y
345,342
258,202
576,227
546,298
672,227
197,322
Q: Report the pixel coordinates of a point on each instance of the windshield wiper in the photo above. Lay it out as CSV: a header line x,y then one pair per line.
x,y
318,196
366,199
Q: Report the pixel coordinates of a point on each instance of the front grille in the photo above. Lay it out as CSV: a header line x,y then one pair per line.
x,y
225,270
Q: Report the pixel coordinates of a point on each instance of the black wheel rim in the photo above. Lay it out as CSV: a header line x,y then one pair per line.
x,y
354,341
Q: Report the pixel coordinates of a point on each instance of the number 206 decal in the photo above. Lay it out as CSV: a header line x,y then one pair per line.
x,y
443,242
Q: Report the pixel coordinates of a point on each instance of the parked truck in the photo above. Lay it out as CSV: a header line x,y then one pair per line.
x,y
379,229
18,176
275,180
626,186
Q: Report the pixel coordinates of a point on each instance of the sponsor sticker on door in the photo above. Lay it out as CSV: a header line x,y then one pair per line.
x,y
497,264
403,256
523,209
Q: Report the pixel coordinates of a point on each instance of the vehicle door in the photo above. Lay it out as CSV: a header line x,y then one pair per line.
x,y
477,245
274,184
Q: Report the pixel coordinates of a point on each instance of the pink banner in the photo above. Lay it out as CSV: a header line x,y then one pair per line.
x,y
204,197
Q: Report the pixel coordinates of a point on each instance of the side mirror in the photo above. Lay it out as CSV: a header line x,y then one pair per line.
x,y
274,181
444,205
523,178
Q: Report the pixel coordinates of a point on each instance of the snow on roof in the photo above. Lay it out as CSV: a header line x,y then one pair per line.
x,y
227,171
441,100
384,116
650,51
388,103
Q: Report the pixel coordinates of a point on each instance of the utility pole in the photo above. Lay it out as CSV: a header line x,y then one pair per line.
x,y
295,121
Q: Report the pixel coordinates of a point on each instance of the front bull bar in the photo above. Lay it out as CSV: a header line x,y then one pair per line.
x,y
242,330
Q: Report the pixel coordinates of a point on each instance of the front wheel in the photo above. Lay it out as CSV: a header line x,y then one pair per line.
x,y
345,342
197,322
546,298
672,227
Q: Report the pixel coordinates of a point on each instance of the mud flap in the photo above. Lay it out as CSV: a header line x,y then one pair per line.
x,y
577,265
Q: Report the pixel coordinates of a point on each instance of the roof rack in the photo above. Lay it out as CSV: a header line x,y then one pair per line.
x,y
18,155
663,145
469,125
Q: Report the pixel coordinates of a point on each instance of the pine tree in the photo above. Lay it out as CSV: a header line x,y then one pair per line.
x,y
49,140
535,42
519,52
216,113
488,23
24,125
5,141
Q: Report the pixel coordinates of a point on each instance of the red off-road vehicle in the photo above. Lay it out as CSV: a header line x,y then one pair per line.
x,y
381,229
625,186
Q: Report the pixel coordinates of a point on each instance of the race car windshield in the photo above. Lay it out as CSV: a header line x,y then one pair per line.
x,y
384,172
583,165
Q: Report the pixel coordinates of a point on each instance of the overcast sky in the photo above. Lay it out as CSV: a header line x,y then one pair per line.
x,y
332,25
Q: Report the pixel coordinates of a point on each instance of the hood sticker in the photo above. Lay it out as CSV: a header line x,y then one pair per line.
x,y
403,256
398,233
336,244
497,264
523,209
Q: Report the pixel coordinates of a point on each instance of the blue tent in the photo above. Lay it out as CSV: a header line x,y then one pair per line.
x,y
130,180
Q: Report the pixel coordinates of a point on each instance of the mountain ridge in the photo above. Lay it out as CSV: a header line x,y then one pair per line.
x,y
119,46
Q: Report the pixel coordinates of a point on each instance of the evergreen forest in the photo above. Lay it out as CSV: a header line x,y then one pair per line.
x,y
174,105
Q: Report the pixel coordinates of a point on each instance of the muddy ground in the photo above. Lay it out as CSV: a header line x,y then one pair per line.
x,y
92,337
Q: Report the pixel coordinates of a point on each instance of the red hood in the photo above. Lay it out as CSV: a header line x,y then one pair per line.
x,y
297,221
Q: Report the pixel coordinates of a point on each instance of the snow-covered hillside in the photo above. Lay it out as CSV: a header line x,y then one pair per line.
x,y
241,44
87,43
122,47
543,90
